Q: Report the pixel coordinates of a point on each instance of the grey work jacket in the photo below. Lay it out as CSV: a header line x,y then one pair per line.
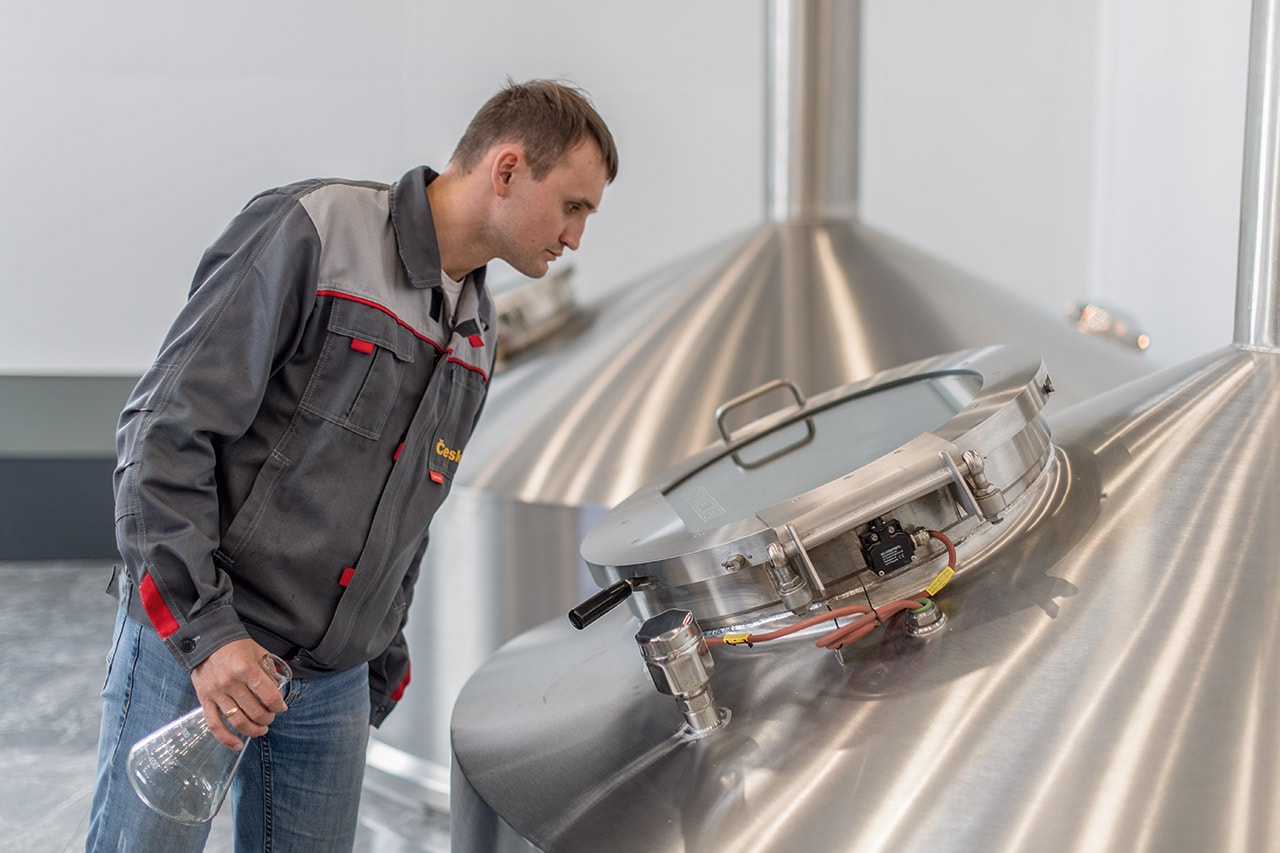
x,y
280,462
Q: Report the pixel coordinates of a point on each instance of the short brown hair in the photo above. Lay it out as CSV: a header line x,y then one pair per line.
x,y
547,117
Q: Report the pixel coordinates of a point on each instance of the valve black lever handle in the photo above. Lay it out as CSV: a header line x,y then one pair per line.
x,y
603,601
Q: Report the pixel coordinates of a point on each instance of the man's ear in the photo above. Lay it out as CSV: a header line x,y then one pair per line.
x,y
507,162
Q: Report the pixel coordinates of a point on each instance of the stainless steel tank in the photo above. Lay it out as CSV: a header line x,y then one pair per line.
x,y
1100,674
632,383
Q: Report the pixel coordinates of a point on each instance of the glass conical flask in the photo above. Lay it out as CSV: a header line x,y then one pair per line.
x,y
182,771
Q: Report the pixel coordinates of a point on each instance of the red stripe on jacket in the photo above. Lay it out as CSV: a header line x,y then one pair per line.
x,y
336,294
157,611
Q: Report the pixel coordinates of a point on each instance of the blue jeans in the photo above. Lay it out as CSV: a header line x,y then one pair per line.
x,y
297,788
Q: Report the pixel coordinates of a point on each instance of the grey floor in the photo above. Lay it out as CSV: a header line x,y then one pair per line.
x,y
55,626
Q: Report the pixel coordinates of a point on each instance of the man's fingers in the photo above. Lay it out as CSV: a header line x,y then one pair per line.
x,y
267,695
236,690
253,690
251,717
213,718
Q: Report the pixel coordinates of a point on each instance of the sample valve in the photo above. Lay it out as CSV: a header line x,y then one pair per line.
x,y
680,665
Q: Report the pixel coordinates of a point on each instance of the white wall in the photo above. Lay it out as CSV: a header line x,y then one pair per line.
x,y
1059,149
1170,151
978,132
1067,150
134,130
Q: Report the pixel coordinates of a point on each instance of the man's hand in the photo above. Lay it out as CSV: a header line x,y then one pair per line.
x,y
231,683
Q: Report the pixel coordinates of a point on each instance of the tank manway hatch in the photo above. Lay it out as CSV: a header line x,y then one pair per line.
x,y
861,496
781,581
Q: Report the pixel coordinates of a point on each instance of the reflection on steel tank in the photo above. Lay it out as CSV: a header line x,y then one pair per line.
x,y
983,627
634,382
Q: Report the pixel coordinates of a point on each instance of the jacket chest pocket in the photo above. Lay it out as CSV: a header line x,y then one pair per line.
x,y
357,377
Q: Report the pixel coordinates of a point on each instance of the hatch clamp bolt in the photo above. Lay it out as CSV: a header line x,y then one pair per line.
x,y
990,499
792,589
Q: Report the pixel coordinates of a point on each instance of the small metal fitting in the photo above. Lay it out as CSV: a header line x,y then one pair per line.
x,y
679,662
925,620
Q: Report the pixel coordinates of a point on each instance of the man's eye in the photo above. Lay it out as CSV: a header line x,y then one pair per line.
x,y
573,208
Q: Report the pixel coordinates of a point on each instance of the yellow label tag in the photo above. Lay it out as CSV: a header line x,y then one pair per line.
x,y
737,639
943,578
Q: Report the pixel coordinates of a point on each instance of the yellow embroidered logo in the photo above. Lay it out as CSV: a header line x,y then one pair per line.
x,y
444,450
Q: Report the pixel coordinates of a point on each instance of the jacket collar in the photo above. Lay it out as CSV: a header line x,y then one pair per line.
x,y
416,233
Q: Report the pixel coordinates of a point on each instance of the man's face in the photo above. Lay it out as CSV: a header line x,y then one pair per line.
x,y
539,219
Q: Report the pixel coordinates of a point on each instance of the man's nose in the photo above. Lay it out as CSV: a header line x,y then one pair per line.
x,y
572,235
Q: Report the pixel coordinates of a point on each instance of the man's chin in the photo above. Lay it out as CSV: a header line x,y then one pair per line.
x,y
532,270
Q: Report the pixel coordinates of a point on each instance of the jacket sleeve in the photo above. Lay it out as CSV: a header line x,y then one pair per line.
x,y
389,672
246,309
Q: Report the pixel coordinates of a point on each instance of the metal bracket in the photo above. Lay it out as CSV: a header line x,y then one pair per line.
x,y
805,563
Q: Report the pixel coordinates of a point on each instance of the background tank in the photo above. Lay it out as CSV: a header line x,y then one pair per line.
x,y
1105,678
632,384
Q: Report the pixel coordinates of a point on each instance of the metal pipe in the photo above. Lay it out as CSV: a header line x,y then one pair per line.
x,y
1258,282
811,111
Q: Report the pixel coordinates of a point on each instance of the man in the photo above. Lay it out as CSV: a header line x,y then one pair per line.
x,y
280,462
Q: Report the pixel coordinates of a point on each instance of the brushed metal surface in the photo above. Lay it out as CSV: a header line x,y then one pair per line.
x,y
813,50
485,581
1106,680
633,387
631,384
820,305
1257,309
